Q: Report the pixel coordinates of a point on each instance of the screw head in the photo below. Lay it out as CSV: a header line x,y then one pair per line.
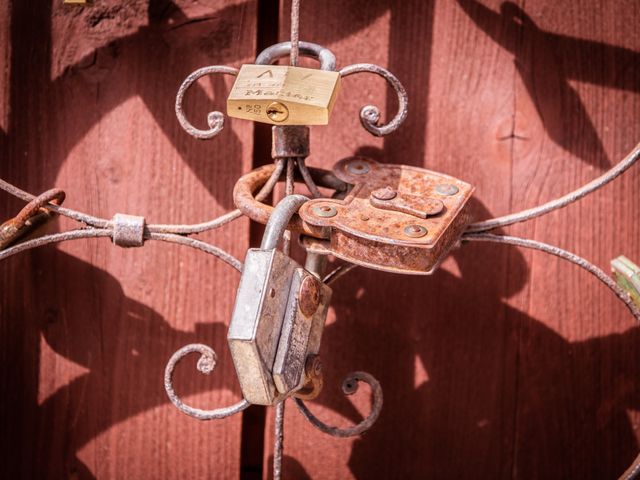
x,y
415,231
386,193
446,189
325,211
358,167
277,112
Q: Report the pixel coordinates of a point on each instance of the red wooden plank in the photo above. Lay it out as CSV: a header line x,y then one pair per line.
x,y
88,327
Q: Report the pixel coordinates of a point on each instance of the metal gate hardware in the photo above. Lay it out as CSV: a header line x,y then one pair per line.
x,y
30,217
395,218
278,318
283,95
627,275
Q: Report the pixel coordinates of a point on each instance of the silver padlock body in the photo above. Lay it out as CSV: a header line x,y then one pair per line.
x,y
300,337
257,321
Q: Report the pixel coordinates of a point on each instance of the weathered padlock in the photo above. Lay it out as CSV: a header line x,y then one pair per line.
x,y
396,218
283,95
278,317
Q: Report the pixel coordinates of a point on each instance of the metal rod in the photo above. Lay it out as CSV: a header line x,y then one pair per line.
x,y
565,255
295,31
563,201
278,440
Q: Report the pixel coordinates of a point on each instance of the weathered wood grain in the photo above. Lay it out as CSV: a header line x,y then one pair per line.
x,y
88,327
505,364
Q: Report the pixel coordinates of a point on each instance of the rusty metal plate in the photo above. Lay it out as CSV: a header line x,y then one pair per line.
x,y
396,218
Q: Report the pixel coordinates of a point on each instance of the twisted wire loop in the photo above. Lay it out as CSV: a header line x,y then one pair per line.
x,y
206,364
215,119
560,253
370,114
613,173
349,387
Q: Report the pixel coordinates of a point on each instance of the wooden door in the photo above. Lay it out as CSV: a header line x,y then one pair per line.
x,y
503,364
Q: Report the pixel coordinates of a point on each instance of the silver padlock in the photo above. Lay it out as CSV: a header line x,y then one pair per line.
x,y
278,317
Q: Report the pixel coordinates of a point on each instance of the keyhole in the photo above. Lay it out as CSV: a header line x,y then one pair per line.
x,y
277,112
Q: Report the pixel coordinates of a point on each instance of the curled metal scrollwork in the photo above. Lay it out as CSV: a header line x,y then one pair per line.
x,y
215,119
349,387
370,114
206,365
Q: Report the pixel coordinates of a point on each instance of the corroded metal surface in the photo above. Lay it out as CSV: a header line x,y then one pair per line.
x,y
128,230
30,217
349,387
409,232
278,317
289,141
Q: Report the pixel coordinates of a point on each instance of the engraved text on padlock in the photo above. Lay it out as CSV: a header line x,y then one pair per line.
x,y
282,95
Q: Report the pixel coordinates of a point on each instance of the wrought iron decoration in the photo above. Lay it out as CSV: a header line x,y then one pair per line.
x,y
387,217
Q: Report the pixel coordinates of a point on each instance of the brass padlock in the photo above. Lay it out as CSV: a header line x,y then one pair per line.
x,y
282,95
278,318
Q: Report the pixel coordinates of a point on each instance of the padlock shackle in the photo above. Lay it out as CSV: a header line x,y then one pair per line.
x,y
323,55
279,220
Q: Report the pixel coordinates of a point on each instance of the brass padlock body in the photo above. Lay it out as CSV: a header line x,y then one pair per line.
x,y
283,95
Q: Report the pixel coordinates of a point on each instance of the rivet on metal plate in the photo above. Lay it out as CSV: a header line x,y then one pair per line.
x,y
325,211
447,189
358,167
415,231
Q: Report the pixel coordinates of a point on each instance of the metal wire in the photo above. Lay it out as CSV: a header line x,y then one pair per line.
x,y
308,179
206,364
295,32
218,222
563,201
370,114
339,272
55,238
349,387
67,212
278,440
561,253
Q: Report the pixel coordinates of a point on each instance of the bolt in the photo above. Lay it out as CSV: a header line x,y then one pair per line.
x,y
386,193
309,296
447,189
415,231
277,112
358,167
325,211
